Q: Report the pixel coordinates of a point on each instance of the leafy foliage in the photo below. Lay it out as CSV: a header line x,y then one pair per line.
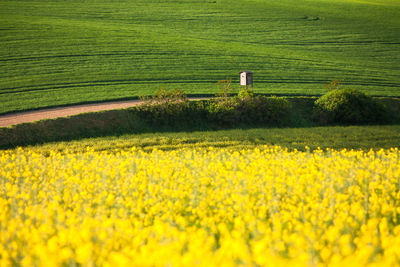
x,y
257,110
348,106
246,93
165,107
172,109
222,111
264,110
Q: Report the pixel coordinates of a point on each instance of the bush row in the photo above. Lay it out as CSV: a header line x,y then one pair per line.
x,y
173,109
340,106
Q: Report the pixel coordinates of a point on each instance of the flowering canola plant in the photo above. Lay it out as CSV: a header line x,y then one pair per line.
x,y
264,206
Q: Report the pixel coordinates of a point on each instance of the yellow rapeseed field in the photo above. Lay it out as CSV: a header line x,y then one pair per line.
x,y
263,206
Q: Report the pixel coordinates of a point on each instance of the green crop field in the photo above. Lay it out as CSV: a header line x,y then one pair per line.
x,y
64,52
336,137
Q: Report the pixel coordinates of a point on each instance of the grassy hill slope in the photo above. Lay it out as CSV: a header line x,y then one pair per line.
x,y
62,52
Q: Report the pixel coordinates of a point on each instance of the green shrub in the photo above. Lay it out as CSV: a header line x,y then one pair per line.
x,y
249,110
164,107
246,93
222,111
172,110
262,110
348,106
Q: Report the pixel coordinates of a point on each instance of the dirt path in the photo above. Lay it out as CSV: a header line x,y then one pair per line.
x,y
51,113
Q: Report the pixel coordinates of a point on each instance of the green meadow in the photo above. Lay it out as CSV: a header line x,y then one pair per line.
x,y
336,137
65,52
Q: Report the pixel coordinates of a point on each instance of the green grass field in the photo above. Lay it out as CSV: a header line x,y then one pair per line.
x,y
63,52
337,137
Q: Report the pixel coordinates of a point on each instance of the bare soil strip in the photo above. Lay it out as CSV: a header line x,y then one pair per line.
x,y
51,113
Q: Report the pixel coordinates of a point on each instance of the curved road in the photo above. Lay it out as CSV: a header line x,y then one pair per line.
x,y
51,113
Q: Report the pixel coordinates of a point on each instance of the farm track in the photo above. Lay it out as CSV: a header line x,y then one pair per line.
x,y
57,112
52,113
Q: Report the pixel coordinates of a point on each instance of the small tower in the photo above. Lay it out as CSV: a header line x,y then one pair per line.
x,y
246,79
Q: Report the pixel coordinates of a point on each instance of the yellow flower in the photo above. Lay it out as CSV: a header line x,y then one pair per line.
x,y
265,206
